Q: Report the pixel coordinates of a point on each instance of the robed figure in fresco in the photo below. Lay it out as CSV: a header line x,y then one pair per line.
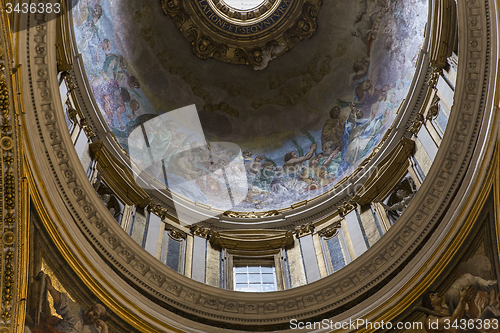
x,y
73,318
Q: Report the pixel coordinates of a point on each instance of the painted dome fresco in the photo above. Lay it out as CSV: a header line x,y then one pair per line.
x,y
247,139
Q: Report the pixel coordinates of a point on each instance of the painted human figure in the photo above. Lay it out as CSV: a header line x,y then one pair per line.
x,y
293,161
90,28
331,165
359,135
333,129
316,175
74,319
443,318
254,166
439,317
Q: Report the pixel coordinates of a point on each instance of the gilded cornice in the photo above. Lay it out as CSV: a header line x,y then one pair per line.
x,y
346,207
158,210
175,233
252,240
251,37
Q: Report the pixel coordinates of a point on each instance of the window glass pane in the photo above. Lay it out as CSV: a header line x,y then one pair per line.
x,y
268,287
244,4
268,278
442,120
267,269
173,254
241,278
255,287
241,287
254,269
254,278
335,253
242,269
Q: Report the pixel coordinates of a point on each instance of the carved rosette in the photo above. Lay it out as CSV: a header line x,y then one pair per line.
x,y
252,37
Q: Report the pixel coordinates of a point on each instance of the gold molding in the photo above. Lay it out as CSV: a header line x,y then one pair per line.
x,y
63,44
250,215
132,317
492,181
14,207
158,210
252,240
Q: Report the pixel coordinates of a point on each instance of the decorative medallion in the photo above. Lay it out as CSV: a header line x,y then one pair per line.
x,y
252,37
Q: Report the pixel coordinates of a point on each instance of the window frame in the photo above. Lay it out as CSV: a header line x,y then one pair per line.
x,y
272,258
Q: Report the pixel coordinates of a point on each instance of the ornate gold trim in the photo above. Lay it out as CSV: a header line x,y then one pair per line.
x,y
252,240
376,268
14,205
236,37
304,230
331,230
200,231
250,215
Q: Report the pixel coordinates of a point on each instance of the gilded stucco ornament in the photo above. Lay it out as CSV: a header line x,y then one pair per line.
x,y
304,230
250,37
331,231
250,215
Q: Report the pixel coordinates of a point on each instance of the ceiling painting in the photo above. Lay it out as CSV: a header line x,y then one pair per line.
x,y
293,129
